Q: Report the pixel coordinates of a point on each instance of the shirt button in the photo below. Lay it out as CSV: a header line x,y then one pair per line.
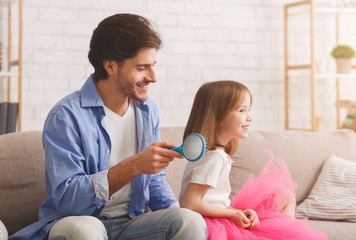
x,y
108,151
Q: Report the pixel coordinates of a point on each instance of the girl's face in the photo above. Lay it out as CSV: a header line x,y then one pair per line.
x,y
236,123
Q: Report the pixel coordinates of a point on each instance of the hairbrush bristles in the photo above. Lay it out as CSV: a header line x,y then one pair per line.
x,y
207,149
206,143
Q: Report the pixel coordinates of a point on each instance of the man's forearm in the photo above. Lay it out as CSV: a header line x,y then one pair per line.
x,y
121,174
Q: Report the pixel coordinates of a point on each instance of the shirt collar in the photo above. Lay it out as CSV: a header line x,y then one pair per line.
x,y
90,96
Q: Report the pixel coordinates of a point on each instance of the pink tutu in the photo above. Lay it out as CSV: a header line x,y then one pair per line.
x,y
260,195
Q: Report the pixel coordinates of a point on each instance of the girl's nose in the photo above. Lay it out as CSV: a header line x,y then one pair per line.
x,y
249,117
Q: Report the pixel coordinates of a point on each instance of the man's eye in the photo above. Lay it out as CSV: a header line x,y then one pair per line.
x,y
143,68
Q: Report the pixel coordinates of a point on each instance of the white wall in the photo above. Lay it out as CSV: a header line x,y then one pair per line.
x,y
204,40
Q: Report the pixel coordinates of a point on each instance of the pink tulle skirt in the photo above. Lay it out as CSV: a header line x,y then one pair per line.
x,y
266,195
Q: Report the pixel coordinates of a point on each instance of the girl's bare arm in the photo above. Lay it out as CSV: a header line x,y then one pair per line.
x,y
192,199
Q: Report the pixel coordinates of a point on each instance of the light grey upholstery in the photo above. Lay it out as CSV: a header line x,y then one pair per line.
x,y
22,187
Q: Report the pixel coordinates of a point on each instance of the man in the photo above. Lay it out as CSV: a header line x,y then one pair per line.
x,y
104,160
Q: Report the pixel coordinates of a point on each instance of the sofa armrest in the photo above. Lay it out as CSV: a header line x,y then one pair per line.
x,y
22,179
3,232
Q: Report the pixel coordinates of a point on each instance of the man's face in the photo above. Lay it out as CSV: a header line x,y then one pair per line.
x,y
136,73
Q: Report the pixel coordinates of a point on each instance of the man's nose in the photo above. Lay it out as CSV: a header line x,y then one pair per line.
x,y
151,75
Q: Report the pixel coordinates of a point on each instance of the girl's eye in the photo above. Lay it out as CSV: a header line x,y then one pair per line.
x,y
242,110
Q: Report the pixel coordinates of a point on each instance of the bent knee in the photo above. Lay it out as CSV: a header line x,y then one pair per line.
x,y
78,228
189,216
292,203
192,224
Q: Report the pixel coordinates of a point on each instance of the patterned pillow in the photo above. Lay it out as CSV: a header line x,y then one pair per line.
x,y
333,196
3,232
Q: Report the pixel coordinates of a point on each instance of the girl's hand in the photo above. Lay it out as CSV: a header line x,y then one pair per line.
x,y
245,219
192,199
252,216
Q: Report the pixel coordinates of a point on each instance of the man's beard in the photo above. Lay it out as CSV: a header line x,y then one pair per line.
x,y
130,92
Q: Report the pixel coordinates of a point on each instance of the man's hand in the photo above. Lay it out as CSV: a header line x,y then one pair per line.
x,y
155,157
150,160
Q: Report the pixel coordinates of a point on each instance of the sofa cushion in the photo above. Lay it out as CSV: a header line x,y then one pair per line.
x,y
335,230
176,168
333,196
22,184
303,152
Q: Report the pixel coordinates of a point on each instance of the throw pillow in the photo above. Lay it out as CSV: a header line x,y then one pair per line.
x,y
333,196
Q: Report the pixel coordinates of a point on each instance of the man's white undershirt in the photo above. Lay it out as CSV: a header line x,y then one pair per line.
x,y
122,132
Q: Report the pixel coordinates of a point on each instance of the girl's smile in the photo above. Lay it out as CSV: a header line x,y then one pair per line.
x,y
237,122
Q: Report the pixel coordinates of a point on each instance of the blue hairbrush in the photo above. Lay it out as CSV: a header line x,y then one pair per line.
x,y
192,148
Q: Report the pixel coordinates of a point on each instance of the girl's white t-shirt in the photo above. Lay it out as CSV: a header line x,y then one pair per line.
x,y
213,170
122,132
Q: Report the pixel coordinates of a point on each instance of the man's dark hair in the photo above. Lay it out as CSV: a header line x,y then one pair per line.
x,y
119,37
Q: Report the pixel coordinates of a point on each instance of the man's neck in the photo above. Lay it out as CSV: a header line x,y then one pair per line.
x,y
112,99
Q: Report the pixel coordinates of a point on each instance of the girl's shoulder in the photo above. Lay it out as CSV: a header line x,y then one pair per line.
x,y
217,153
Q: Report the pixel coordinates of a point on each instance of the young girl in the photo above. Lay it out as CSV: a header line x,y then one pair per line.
x,y
264,207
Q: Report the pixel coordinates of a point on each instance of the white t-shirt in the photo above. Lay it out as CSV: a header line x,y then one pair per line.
x,y
213,170
122,132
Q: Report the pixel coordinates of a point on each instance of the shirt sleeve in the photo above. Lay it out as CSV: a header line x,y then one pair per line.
x,y
101,185
206,170
68,184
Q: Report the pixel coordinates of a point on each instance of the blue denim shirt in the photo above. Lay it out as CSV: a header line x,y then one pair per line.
x,y
77,148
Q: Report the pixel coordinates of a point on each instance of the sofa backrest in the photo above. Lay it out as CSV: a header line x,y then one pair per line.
x,y
303,152
176,168
22,184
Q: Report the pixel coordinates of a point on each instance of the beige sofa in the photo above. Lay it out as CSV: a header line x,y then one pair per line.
x,y
22,186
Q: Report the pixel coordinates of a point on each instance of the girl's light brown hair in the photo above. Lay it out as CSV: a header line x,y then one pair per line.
x,y
212,103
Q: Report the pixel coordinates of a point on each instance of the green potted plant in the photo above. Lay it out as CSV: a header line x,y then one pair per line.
x,y
343,55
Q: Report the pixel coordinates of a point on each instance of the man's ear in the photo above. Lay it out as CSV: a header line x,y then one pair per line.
x,y
109,66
